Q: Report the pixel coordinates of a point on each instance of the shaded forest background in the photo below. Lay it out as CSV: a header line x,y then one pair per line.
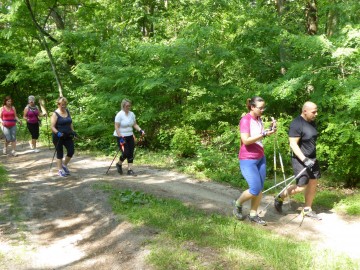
x,y
189,66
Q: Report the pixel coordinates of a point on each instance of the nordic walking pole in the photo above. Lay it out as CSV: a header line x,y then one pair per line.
x,y
297,176
54,154
117,152
44,112
277,195
275,159
18,135
137,142
275,143
282,165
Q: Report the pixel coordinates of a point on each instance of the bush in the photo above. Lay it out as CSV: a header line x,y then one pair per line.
x,y
185,142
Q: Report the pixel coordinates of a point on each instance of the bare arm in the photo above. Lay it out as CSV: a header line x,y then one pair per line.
x,y
136,126
247,140
17,118
25,113
53,123
294,145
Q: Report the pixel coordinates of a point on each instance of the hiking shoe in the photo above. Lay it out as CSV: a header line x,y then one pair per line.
x,y
257,220
307,212
13,153
237,212
278,203
131,172
61,173
36,150
119,168
4,151
66,170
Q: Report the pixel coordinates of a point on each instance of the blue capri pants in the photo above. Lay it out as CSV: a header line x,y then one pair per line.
x,y
254,172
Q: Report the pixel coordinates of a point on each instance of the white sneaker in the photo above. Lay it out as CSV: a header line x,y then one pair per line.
x,y
36,150
13,153
4,151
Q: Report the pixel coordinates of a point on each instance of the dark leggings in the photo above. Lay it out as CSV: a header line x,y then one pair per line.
x,y
60,143
127,150
34,130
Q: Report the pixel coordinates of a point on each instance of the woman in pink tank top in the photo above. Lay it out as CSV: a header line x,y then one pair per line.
x,y
8,120
252,160
31,115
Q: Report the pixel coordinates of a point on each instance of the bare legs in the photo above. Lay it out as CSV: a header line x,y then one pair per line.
x,y
255,200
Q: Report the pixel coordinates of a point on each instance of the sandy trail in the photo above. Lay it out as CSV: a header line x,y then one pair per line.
x,y
67,224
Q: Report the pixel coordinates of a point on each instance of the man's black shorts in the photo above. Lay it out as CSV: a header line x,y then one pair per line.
x,y
313,173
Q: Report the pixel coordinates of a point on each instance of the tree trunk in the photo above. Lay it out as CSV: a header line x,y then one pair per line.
x,y
311,17
331,22
42,34
280,5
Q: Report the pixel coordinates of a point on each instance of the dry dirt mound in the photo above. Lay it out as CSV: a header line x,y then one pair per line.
x,y
66,224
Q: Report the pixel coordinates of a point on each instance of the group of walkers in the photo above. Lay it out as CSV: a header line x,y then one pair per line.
x,y
252,160
302,139
63,132
9,119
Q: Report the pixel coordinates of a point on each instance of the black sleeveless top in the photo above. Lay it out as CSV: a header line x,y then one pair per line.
x,y
63,124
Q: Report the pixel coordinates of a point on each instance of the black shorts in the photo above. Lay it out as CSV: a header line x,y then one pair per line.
x,y
34,130
313,173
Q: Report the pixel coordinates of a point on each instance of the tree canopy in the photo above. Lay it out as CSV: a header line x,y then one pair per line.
x,y
189,66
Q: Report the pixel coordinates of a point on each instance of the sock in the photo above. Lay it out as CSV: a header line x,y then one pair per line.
x,y
237,204
253,213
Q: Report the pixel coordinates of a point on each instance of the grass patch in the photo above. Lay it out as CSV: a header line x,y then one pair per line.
x,y
349,204
188,235
10,207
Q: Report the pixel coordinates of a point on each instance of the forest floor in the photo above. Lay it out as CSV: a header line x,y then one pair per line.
x,y
67,224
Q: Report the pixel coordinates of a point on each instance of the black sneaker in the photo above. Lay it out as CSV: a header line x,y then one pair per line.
x,y
131,172
310,213
257,220
119,168
278,203
237,212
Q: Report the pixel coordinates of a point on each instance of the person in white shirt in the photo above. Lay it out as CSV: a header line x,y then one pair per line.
x,y
125,122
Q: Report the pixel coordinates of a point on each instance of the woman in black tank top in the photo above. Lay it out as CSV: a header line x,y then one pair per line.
x,y
63,134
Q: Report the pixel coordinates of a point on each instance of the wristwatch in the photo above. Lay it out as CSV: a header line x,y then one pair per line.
x,y
264,133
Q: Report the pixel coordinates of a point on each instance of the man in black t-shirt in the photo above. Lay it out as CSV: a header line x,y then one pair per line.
x,y
302,137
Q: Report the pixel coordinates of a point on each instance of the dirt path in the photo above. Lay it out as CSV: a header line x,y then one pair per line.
x,y
69,225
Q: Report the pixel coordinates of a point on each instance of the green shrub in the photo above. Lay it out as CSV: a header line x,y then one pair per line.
x,y
185,142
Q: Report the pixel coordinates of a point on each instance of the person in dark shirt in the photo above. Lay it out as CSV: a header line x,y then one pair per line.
x,y
302,138
63,134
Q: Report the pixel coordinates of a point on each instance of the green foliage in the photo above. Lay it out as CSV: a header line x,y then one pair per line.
x,y
128,198
190,63
185,142
339,142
